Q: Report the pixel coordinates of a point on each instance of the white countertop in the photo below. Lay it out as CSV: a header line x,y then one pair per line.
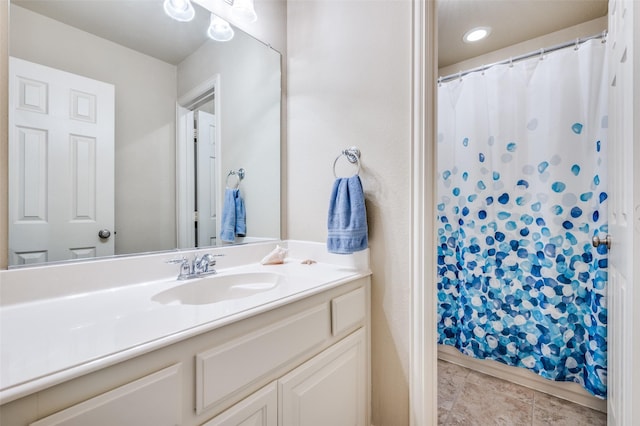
x,y
48,341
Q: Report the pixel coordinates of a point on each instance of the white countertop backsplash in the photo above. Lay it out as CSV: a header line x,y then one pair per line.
x,y
61,321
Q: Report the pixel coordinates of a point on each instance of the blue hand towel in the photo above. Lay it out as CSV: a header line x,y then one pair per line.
x,y
228,225
347,222
241,217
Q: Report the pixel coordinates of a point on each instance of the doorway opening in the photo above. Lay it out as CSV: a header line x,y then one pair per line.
x,y
198,166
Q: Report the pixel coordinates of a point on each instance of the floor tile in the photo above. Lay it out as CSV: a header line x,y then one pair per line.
x,y
492,385
548,410
451,380
443,416
470,398
480,404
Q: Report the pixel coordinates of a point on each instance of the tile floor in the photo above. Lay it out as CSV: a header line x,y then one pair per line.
x,y
466,397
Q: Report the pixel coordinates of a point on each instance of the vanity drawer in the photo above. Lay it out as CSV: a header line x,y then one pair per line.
x,y
154,400
348,310
228,368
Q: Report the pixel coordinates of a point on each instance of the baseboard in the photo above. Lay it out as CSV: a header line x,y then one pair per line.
x,y
566,390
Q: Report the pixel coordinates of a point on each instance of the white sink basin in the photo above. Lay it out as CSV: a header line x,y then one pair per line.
x,y
218,288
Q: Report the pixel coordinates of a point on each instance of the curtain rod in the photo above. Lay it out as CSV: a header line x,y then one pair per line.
x,y
575,43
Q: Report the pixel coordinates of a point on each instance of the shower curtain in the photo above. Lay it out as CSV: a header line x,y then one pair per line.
x,y
522,191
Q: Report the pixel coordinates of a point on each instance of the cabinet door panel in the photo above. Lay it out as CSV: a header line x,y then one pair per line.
x,y
153,400
259,409
348,310
329,389
228,368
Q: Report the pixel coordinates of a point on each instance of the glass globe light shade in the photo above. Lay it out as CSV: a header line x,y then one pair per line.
x,y
219,29
180,10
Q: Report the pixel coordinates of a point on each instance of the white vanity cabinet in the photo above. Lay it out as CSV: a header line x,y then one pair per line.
x,y
258,409
329,389
303,363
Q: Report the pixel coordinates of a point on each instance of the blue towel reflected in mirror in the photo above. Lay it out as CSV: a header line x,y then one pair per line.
x,y
233,216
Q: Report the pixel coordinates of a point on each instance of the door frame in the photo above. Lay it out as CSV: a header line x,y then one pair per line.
x,y
423,383
4,134
624,48
423,387
185,156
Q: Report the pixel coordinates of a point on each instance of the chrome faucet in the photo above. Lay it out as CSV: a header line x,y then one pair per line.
x,y
201,266
198,267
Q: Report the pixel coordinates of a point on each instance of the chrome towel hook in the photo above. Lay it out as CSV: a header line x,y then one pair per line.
x,y
239,174
352,154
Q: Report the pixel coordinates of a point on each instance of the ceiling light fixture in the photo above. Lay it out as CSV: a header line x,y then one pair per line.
x,y
476,34
244,10
180,10
219,29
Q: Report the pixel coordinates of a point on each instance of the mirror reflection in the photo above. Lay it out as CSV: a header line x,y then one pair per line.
x,y
127,129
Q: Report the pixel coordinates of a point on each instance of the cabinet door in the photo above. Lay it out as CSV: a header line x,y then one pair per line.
x,y
154,400
258,409
329,389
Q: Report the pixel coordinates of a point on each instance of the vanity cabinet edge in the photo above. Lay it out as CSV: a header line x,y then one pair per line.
x,y
38,405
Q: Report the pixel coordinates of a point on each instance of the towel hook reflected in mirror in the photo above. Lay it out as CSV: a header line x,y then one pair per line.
x,y
239,174
352,154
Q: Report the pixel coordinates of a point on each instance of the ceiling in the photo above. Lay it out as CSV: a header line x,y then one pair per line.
x,y
141,25
512,21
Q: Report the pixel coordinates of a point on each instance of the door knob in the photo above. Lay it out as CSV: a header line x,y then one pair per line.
x,y
104,234
596,241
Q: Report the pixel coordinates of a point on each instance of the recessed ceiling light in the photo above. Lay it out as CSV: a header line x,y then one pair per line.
x,y
476,34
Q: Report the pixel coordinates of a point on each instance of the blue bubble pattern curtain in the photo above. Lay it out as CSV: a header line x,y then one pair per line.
x,y
521,193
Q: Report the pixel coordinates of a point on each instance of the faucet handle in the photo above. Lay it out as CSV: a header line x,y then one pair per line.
x,y
207,260
185,269
214,254
181,261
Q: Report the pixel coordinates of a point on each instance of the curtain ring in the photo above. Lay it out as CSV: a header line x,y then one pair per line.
x,y
577,44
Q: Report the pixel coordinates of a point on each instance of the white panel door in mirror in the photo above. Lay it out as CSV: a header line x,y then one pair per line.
x,y
61,173
83,106
32,95
207,182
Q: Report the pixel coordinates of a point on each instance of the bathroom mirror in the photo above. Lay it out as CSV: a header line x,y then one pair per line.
x,y
163,73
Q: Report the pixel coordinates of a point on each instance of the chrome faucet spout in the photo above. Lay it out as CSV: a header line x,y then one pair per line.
x,y
199,266
202,265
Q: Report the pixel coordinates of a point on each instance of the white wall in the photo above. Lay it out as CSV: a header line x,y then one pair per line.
x,y
250,120
145,115
349,70
4,143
